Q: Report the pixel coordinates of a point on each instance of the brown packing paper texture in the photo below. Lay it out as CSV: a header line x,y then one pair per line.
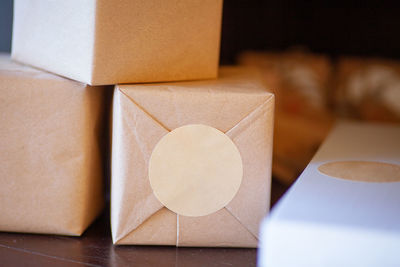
x,y
51,171
119,41
236,104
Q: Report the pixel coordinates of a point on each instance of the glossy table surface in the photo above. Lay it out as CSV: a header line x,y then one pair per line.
x,y
94,248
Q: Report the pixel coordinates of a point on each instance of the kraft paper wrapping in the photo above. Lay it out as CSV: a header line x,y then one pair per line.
x,y
236,104
51,170
119,41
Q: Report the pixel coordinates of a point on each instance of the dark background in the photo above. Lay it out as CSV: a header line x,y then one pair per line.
x,y
5,24
278,25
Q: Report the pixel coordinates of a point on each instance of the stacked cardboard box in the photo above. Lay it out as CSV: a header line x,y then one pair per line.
x,y
191,161
147,119
50,139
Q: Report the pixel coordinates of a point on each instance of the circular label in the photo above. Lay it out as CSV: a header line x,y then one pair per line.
x,y
364,171
195,170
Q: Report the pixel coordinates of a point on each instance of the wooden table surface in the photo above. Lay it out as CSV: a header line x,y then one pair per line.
x,y
94,248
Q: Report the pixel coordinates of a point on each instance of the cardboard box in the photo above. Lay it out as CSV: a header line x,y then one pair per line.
x,y
191,161
301,82
119,41
51,169
344,209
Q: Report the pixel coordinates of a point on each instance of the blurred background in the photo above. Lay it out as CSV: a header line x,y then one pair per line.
x,y
323,63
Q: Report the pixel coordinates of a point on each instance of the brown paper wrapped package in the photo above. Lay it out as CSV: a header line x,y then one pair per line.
x,y
51,171
236,104
119,41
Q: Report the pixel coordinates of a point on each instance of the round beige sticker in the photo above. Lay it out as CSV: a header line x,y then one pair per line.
x,y
365,171
195,170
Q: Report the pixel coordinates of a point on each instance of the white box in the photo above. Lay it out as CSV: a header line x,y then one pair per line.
x,y
329,221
